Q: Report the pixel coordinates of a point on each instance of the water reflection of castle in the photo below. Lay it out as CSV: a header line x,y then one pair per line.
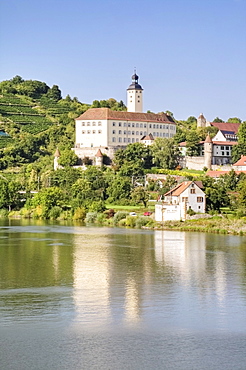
x,y
107,286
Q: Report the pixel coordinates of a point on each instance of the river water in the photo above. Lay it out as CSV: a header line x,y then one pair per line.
x,y
74,297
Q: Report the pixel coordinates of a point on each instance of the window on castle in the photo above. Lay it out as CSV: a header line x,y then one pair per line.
x,y
129,125
137,125
145,125
125,140
99,123
137,140
83,132
157,126
129,140
150,126
141,125
153,125
99,131
83,123
222,153
133,140
222,148
184,199
114,123
124,124
119,132
133,132
88,123
120,140
88,131
227,153
138,101
94,131
129,132
133,124
199,199
113,139
124,132
119,124
93,123
227,147
137,132
113,132
154,134
141,133
160,126
145,133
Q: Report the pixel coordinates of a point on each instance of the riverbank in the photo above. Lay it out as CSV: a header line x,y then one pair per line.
x,y
220,224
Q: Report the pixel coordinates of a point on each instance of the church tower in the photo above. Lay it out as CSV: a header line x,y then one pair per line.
x,y
135,96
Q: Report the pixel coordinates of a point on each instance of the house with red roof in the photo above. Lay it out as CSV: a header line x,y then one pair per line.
x,y
240,165
177,201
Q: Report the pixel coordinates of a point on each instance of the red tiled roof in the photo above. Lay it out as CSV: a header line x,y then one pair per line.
x,y
106,113
241,161
221,173
228,143
99,153
226,126
180,188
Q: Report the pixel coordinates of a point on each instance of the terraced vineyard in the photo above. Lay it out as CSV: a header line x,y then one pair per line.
x,y
18,110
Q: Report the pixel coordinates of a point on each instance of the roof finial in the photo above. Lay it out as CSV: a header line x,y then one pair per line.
x,y
135,70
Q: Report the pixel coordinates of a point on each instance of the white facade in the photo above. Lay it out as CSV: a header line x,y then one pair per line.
x,y
135,96
119,132
134,101
177,201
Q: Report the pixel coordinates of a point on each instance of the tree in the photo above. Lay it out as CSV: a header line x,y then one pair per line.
x,y
119,188
217,119
234,120
68,158
165,153
140,195
54,93
192,141
137,156
240,149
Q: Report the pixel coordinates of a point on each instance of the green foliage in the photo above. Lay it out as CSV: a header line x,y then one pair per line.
x,y
192,140
91,217
46,199
68,158
120,215
234,120
217,119
119,188
140,195
55,212
97,206
133,159
79,214
165,153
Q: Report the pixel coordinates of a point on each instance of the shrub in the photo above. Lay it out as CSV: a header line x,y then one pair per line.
x,y
79,214
98,206
4,213
101,217
91,217
190,212
141,221
55,212
130,221
122,222
119,216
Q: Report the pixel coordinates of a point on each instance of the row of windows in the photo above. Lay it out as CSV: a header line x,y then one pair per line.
x,y
92,132
141,133
143,125
198,199
125,140
224,147
92,123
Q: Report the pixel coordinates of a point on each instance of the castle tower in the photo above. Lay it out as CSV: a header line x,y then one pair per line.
x,y
135,96
201,121
99,158
208,152
56,158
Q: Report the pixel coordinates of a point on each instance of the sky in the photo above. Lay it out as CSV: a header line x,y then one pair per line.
x,y
190,55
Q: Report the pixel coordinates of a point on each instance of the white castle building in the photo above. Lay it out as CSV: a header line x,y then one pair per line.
x,y
107,130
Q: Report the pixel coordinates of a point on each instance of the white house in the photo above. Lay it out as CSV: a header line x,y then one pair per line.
x,y
177,201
